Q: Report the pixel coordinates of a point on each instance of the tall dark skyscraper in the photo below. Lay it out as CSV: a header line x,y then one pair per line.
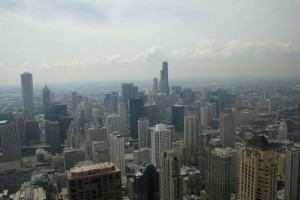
x,y
46,101
128,91
164,78
136,107
178,118
53,132
27,93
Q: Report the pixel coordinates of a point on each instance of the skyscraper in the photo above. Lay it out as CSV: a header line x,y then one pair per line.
x,y
258,170
128,91
123,115
191,133
53,132
161,140
170,179
164,79
136,108
282,132
10,142
117,151
46,101
27,94
227,128
143,132
178,118
292,180
221,175
90,181
21,128
113,124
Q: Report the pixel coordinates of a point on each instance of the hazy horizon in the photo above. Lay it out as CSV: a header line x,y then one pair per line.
x,y
83,41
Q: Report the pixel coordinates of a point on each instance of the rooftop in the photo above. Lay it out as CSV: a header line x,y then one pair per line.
x,y
259,142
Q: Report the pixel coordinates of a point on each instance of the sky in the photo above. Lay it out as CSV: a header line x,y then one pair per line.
x,y
99,40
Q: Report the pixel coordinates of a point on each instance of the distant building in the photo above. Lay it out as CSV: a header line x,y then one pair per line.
x,y
117,150
46,101
100,152
128,91
123,115
227,128
178,118
27,94
191,133
19,121
53,132
151,113
94,182
72,157
143,133
33,131
142,155
164,79
282,132
136,106
258,170
113,124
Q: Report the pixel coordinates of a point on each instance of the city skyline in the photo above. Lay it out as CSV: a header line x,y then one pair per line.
x,y
199,39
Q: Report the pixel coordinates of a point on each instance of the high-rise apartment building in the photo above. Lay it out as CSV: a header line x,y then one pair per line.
x,y
117,151
227,128
89,181
170,179
10,142
46,101
191,133
164,79
113,123
292,179
258,170
143,132
282,132
221,173
136,108
161,140
27,94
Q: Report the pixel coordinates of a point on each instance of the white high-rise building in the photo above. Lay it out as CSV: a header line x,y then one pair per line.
x,y
227,128
161,140
113,124
123,115
191,133
282,132
143,132
117,150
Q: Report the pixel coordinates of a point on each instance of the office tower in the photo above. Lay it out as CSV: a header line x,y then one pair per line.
x,y
151,113
221,173
258,170
33,131
27,94
53,132
60,109
191,133
227,128
161,140
178,118
143,132
182,150
46,101
89,181
97,134
136,106
204,117
282,132
142,155
144,184
72,157
162,107
292,180
164,79
100,151
117,150
113,123
19,121
155,83
128,91
74,101
10,142
170,179
123,115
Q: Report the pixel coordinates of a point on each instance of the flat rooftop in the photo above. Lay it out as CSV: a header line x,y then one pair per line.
x,y
90,169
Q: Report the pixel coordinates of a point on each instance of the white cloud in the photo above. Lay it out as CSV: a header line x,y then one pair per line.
x,y
151,54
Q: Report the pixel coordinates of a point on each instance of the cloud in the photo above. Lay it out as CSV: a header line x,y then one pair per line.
x,y
114,58
151,54
213,48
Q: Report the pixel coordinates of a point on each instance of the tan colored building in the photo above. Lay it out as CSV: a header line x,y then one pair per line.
x,y
94,181
258,170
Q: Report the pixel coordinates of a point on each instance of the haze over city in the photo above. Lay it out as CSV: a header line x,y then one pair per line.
x,y
70,41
